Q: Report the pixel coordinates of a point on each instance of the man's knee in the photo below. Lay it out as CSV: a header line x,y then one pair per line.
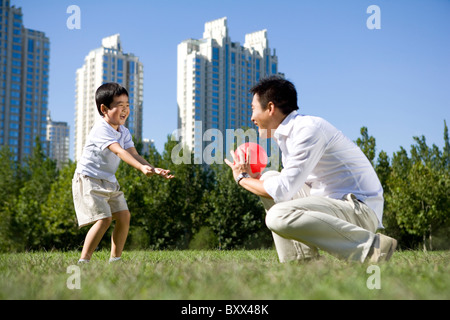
x,y
275,220
285,216
270,220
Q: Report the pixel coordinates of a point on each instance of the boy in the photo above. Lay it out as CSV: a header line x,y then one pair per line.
x,y
96,194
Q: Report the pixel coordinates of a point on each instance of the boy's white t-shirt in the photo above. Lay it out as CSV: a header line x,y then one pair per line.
x,y
97,161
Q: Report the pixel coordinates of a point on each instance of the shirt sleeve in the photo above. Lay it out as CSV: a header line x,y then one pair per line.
x,y
306,146
128,139
102,137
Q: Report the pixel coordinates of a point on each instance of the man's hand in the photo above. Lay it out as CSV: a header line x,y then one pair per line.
x,y
241,164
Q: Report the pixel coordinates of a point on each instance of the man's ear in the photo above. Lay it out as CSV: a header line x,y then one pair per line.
x,y
271,108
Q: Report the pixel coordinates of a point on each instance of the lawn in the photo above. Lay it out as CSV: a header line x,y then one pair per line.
x,y
220,275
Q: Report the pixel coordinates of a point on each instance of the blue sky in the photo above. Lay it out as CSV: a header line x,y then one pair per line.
x,y
394,80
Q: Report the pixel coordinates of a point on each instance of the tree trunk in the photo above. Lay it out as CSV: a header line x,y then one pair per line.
x,y
424,238
430,239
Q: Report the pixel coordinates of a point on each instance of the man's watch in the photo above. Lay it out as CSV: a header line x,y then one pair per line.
x,y
242,176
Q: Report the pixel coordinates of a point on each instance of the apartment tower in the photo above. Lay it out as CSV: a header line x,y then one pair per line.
x,y
58,133
108,63
24,83
214,79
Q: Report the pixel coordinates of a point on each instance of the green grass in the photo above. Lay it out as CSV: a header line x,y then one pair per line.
x,y
228,275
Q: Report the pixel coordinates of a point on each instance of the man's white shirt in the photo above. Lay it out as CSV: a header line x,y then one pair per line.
x,y
316,153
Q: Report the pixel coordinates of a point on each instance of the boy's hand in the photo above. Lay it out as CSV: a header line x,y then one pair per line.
x,y
149,171
163,173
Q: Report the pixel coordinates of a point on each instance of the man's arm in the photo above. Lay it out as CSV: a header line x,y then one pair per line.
x,y
254,185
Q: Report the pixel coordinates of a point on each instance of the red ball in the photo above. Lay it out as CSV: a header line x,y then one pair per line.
x,y
258,156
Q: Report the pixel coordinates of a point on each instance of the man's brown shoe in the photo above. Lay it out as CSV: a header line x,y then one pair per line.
x,y
382,248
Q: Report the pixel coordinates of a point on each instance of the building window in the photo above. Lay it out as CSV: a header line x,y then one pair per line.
x,y
30,45
132,66
215,53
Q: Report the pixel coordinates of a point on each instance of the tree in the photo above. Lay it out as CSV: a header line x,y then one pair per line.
x,y
237,216
383,170
166,213
10,184
36,205
27,223
418,200
60,228
446,151
184,197
367,144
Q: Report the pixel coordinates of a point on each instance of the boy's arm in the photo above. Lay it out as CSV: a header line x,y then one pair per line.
x,y
132,157
129,158
158,171
138,157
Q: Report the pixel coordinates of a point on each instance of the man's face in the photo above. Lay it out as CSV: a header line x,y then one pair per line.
x,y
261,118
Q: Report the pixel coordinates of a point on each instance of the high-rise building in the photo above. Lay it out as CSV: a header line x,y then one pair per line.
x,y
107,64
58,138
147,144
214,79
24,83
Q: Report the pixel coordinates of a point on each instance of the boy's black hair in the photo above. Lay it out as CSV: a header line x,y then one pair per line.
x,y
279,91
105,94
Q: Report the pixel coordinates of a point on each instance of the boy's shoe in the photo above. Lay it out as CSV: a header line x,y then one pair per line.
x,y
382,248
115,259
83,261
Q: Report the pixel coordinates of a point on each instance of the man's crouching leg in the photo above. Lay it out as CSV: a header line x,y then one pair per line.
x,y
288,249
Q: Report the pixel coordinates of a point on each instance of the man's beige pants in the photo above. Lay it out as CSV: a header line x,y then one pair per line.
x,y
344,228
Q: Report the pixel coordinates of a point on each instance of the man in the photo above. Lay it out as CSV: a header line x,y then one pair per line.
x,y
327,196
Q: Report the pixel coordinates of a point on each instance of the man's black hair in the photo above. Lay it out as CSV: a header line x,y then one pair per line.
x,y
279,91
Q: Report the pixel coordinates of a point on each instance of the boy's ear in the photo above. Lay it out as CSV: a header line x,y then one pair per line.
x,y
104,109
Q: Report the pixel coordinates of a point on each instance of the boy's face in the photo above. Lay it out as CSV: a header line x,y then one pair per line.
x,y
118,111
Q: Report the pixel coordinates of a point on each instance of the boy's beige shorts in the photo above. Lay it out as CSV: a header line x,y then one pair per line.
x,y
96,199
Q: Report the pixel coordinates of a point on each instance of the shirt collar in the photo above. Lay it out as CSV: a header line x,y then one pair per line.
x,y
285,127
106,124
